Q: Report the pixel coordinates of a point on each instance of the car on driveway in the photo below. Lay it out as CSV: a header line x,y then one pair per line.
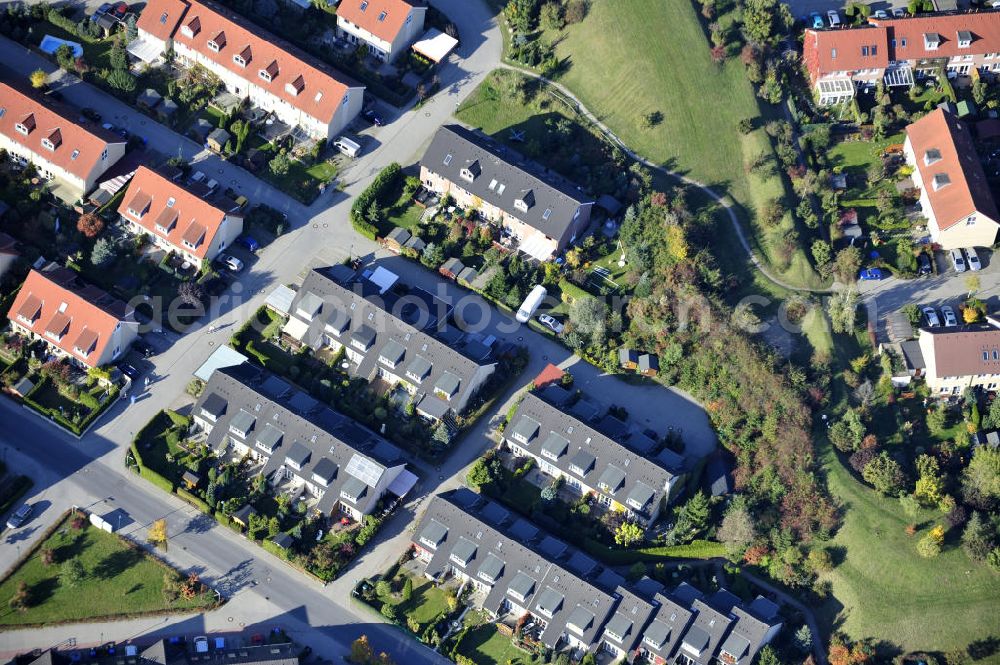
x,y
880,13
372,116
551,323
931,317
143,348
923,263
816,21
973,259
103,9
230,262
949,316
20,516
898,12
957,260
129,370
833,17
248,242
870,274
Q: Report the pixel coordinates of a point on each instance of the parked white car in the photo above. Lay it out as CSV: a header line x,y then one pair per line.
x,y
931,317
551,323
230,262
973,259
949,316
957,260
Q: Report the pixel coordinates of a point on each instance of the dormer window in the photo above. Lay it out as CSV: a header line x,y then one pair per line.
x,y
941,180
27,125
931,156
526,200
192,28
833,54
52,141
243,57
293,88
470,172
218,42
931,41
964,39
364,5
381,17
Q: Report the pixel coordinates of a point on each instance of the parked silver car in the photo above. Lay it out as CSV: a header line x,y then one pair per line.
x,y
973,259
931,317
949,316
957,260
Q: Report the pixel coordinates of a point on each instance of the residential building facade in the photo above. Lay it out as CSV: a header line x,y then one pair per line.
x,y
542,212
960,357
386,27
301,446
176,219
254,65
40,133
591,462
954,193
77,321
399,339
896,51
572,601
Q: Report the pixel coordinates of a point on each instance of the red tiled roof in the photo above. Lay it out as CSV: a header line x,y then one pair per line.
x,y
170,206
77,149
321,92
967,191
827,51
550,374
366,14
160,17
983,26
54,301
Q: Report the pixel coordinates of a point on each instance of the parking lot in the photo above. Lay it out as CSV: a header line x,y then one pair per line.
x,y
802,8
945,288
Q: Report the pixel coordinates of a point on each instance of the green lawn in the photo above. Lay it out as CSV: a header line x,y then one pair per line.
x,y
161,437
119,581
425,604
883,589
302,181
486,646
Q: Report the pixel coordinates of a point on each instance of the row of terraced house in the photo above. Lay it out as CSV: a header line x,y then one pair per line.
x,y
562,598
896,51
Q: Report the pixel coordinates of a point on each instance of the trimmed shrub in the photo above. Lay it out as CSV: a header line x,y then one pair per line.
x,y
384,182
195,501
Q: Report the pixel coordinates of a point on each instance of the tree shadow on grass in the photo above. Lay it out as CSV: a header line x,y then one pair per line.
x,y
42,591
134,588
73,548
116,563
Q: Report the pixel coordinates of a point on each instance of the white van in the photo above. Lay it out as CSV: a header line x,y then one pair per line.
x,y
531,303
347,146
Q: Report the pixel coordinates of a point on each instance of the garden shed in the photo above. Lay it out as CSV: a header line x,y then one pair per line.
x,y
217,139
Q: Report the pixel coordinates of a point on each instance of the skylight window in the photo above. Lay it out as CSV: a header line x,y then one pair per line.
x,y
76,153
447,159
364,5
547,213
171,201
381,17
163,18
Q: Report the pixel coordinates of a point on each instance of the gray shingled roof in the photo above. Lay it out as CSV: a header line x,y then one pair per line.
x,y
392,351
555,445
433,533
269,437
582,462
356,311
213,404
243,421
645,476
612,478
522,585
464,550
353,489
492,567
619,626
580,617
330,439
502,180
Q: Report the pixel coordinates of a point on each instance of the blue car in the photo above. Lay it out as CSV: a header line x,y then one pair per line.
x,y
817,21
873,274
103,9
249,243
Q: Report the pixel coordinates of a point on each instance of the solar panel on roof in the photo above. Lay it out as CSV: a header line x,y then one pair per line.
x,y
365,470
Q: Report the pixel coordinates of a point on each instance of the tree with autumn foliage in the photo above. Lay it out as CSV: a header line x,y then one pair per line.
x,y
361,651
90,225
844,652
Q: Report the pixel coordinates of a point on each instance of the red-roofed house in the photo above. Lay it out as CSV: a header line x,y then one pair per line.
x,y
33,131
254,64
176,219
896,50
954,194
77,321
388,27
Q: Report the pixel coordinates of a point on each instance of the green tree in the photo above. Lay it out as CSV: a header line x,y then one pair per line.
x,y
847,263
281,163
821,252
764,21
982,476
383,589
131,30
240,129
407,589
361,651
103,253
122,79
588,319
479,475
627,534
842,309
768,656
884,474
21,599
695,512
847,433
737,530
118,56
273,527
72,573
930,545
977,538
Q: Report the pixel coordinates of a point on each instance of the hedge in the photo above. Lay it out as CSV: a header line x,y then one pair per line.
x,y
194,500
383,182
698,549
155,478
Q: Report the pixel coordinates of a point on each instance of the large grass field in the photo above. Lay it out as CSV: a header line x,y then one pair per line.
x,y
119,581
883,589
